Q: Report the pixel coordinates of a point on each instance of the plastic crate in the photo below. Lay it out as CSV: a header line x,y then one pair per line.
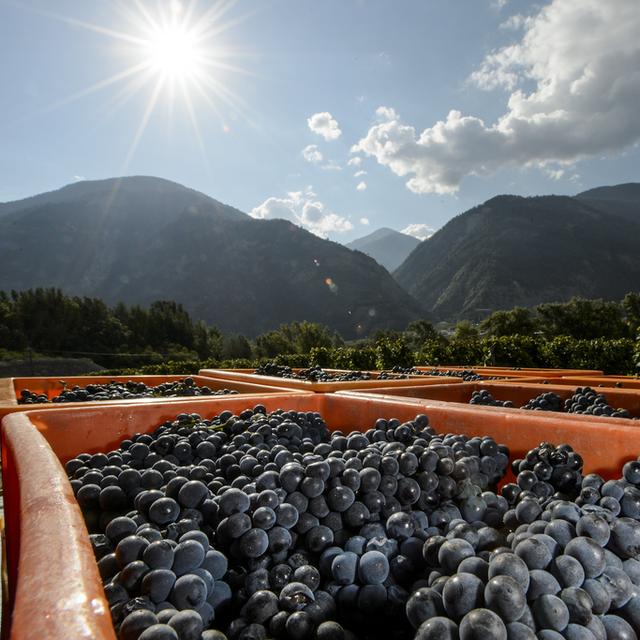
x,y
248,375
10,389
620,382
517,392
56,589
510,372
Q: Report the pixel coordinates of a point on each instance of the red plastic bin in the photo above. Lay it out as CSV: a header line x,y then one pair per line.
x,y
57,592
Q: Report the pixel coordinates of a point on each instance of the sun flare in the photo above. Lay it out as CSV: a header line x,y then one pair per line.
x,y
173,52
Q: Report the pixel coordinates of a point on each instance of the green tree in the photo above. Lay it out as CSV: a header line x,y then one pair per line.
x,y
582,319
207,341
465,331
631,306
419,331
516,321
235,346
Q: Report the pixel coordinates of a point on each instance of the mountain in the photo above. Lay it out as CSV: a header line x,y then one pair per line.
x,y
387,247
622,200
140,239
524,251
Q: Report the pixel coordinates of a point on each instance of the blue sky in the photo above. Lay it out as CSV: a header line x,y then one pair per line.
x,y
386,73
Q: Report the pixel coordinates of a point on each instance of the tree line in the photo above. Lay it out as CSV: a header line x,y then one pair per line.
x,y
580,333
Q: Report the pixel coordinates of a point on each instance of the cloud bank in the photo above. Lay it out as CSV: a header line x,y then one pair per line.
x,y
574,85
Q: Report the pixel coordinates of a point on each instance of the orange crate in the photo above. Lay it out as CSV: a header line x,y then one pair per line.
x,y
621,382
517,392
510,372
10,389
52,569
248,375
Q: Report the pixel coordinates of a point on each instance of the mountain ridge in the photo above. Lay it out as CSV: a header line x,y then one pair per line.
x,y
241,274
515,251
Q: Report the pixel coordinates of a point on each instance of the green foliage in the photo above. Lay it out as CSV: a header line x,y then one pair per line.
x,y
296,337
419,331
52,323
390,353
631,306
465,331
504,351
516,321
582,319
235,346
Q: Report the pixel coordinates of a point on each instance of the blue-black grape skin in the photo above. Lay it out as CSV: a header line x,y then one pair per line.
x,y
193,506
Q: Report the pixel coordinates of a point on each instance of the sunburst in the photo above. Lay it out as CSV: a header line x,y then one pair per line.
x,y
173,51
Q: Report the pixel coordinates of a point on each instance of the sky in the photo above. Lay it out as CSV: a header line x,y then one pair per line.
x,y
342,115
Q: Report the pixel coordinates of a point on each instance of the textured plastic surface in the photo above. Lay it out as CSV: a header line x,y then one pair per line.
x,y
59,593
248,375
41,503
10,389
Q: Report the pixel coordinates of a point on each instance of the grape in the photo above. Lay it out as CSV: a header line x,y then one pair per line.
x,y
550,612
461,594
423,604
482,624
187,624
437,628
260,607
295,596
373,568
159,632
618,628
135,623
189,592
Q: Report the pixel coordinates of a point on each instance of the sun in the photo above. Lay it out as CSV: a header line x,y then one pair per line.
x,y
173,52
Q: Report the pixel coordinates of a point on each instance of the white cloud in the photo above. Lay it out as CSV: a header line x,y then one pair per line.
x,y
302,208
498,5
574,82
331,166
356,161
515,22
364,221
79,178
312,154
420,231
357,174
325,125
555,174
361,186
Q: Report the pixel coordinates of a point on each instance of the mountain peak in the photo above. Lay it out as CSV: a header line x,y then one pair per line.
x,y
387,246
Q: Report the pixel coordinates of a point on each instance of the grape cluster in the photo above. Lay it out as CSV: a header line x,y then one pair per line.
x,y
547,472
312,374
253,525
466,375
123,391
548,401
313,527
586,401
485,398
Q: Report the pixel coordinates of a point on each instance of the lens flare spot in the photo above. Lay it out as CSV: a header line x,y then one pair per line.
x,y
333,287
371,312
